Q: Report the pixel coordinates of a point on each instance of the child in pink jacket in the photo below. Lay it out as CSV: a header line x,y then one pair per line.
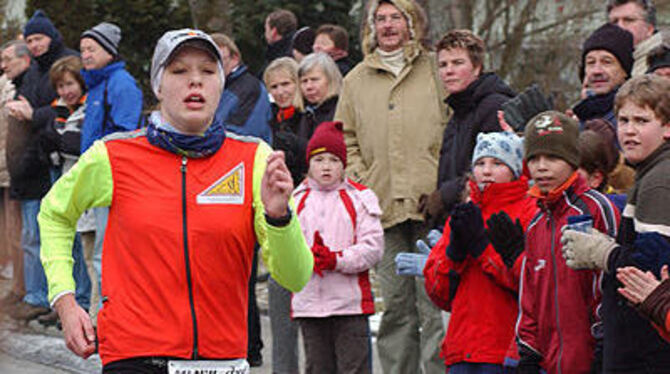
x,y
341,221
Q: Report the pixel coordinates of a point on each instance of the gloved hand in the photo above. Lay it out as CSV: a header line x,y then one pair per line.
x,y
652,251
412,264
586,250
467,228
506,237
324,258
520,109
529,361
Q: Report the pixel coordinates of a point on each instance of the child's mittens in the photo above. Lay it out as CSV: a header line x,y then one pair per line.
x,y
324,259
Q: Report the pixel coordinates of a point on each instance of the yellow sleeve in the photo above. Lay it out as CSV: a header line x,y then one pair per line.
x,y
88,184
284,249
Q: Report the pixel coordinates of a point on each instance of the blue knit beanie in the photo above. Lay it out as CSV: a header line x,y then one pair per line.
x,y
504,145
39,23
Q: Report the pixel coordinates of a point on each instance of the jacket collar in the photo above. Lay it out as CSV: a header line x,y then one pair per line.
x,y
498,194
596,106
280,48
55,51
97,76
574,185
660,154
411,50
239,70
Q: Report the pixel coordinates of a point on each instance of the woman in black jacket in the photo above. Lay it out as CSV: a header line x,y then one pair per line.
x,y
320,85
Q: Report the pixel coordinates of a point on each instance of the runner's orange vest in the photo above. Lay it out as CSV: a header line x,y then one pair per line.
x,y
148,308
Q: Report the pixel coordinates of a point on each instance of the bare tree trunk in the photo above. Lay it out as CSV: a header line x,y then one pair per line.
x,y
211,15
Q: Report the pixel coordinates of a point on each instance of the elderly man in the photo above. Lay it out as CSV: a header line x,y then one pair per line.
x,y
15,64
392,109
29,170
113,104
639,18
607,60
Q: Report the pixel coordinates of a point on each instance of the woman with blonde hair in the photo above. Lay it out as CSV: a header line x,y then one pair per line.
x,y
281,80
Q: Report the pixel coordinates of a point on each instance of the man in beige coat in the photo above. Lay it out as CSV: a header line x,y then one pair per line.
x,y
393,113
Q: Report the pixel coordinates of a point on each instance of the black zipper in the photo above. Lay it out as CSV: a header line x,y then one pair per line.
x,y
558,314
187,261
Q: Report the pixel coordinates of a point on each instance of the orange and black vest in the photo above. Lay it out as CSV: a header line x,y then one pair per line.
x,y
177,252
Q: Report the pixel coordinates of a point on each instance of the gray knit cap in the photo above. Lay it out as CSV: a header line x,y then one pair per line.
x,y
108,35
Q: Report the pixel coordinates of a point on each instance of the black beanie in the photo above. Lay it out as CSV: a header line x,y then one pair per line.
x,y
39,23
613,39
303,40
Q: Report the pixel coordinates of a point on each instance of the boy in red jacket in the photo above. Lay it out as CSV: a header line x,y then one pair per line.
x,y
558,304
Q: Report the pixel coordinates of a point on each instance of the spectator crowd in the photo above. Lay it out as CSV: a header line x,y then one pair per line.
x,y
506,235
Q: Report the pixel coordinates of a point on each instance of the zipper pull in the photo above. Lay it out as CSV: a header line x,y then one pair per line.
x,y
183,164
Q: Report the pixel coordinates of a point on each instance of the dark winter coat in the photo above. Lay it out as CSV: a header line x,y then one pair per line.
x,y
30,166
280,48
480,292
284,138
631,343
474,111
314,115
245,106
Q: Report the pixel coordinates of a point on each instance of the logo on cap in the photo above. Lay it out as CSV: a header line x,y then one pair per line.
x,y
548,124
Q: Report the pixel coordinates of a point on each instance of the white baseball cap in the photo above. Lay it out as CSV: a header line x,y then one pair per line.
x,y
169,44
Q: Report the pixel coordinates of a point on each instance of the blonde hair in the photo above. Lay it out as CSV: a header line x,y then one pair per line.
x,y
329,69
288,66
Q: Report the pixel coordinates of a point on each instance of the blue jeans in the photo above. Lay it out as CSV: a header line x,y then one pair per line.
x,y
101,215
35,279
33,272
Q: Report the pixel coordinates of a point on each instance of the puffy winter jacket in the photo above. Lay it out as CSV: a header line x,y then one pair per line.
x,y
348,218
475,111
479,292
123,106
558,304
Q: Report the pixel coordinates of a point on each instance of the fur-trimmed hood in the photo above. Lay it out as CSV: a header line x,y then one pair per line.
x,y
413,12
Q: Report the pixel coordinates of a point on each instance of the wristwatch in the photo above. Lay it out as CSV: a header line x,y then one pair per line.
x,y
280,221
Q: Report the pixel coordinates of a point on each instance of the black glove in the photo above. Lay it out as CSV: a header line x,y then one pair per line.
x,y
529,361
506,236
652,251
520,109
467,228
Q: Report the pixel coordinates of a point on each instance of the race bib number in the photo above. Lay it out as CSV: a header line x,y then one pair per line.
x,y
239,366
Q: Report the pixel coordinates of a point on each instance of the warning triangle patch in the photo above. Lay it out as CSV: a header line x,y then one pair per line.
x,y
228,189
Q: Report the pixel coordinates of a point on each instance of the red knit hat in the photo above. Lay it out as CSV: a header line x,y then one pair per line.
x,y
328,138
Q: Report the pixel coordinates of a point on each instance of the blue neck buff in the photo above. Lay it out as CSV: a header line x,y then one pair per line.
x,y
163,135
